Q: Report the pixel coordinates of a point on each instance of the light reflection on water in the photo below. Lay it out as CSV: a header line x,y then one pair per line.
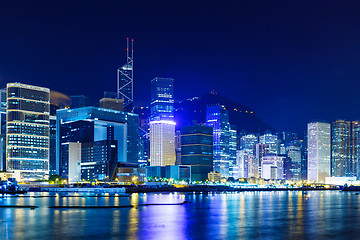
x,y
246,215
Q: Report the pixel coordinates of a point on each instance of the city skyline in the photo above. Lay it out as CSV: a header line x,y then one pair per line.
x,y
232,119
297,86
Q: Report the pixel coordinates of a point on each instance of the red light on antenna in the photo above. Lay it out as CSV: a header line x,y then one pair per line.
x,y
132,40
127,38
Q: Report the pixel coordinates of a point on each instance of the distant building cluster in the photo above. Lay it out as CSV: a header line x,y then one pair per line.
x,y
117,141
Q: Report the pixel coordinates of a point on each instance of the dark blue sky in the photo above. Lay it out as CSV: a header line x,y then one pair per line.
x,y
291,61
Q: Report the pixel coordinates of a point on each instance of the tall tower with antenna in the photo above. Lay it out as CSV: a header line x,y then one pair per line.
x,y
125,78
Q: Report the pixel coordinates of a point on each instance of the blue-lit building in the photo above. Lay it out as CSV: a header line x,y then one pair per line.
x,y
247,143
2,139
217,117
162,99
234,170
98,128
197,150
162,125
271,140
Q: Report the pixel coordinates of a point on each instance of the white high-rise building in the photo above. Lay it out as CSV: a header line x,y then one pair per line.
x,y
162,143
245,162
319,151
272,167
27,131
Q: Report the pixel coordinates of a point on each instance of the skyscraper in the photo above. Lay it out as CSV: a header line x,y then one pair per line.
x,y
233,166
247,143
162,99
162,125
260,150
217,117
355,150
319,151
28,110
245,161
125,78
197,150
341,149
271,140
293,151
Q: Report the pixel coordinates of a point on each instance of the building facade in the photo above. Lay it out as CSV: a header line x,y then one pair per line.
x,y
27,131
197,150
319,151
247,143
162,125
101,132
271,140
217,117
341,165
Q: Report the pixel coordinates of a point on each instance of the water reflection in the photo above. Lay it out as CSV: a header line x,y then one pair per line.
x,y
246,215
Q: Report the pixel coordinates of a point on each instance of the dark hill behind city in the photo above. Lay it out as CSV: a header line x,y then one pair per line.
x,y
193,111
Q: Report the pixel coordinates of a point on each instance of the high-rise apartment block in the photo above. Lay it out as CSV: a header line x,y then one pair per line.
x,y
27,131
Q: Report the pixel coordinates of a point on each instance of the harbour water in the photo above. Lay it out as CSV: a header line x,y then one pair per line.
x,y
244,215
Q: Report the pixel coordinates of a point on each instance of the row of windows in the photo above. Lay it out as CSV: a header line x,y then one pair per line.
x,y
28,94
15,164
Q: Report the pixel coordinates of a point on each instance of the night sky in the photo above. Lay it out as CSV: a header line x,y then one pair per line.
x,y
291,61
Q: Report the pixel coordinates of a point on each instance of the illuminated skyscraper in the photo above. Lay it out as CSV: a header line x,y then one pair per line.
x,y
197,150
293,150
247,143
162,125
217,117
341,149
162,99
355,150
270,139
245,161
28,110
125,78
319,151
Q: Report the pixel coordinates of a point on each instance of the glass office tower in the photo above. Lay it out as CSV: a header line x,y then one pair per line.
x,y
247,143
162,125
355,150
27,151
341,149
319,151
270,139
197,150
217,117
